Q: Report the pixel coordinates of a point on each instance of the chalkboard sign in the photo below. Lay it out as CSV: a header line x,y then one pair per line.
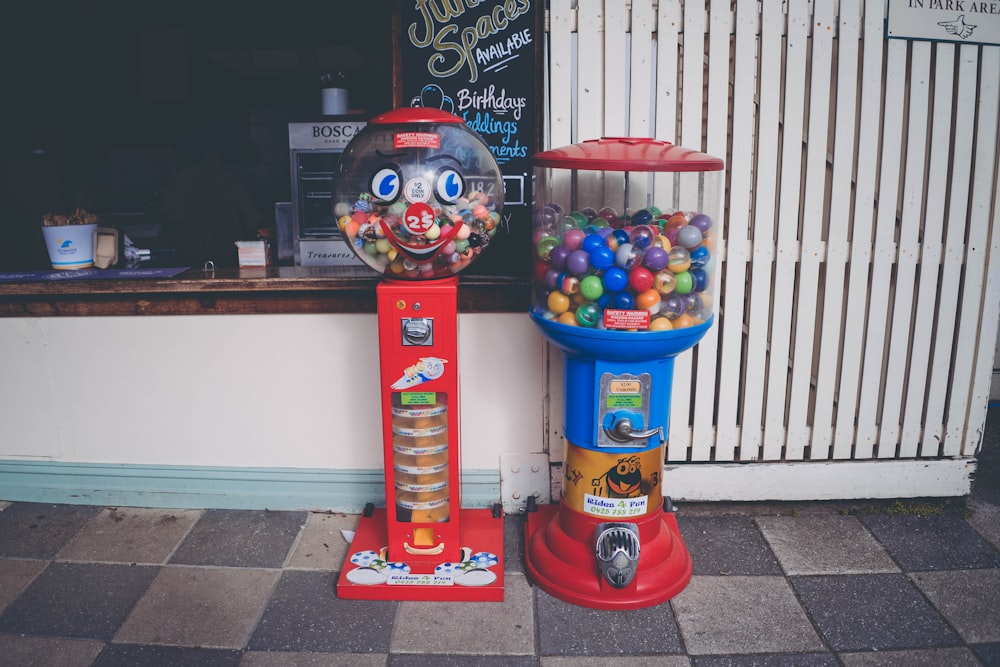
x,y
481,60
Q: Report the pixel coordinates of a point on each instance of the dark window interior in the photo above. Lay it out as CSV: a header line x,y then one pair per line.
x,y
104,102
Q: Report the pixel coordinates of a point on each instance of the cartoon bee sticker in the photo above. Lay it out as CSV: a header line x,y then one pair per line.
x,y
623,480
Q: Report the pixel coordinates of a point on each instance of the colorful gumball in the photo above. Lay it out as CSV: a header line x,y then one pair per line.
x,y
573,238
578,262
602,258
591,288
558,302
655,258
570,285
615,279
623,300
689,236
679,259
647,300
664,282
588,315
684,284
640,279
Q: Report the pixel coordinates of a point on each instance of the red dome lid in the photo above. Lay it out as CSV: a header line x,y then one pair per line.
x,y
627,154
415,115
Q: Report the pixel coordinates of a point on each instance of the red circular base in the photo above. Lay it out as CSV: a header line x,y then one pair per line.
x,y
560,557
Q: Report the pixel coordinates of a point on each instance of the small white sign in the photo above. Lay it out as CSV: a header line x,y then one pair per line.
x,y
963,21
614,507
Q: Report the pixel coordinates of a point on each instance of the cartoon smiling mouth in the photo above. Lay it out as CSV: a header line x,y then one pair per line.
x,y
419,252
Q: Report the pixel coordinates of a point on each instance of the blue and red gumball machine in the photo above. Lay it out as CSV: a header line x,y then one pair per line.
x,y
418,196
624,233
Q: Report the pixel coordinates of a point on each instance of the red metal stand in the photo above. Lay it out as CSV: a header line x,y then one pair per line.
x,y
423,546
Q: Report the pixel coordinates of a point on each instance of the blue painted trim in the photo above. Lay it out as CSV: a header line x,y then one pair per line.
x,y
202,487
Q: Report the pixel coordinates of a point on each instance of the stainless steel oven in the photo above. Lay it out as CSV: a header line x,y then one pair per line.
x,y
315,148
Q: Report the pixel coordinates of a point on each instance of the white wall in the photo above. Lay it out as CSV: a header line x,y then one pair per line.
x,y
298,391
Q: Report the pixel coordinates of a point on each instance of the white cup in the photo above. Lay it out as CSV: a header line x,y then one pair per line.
x,y
70,246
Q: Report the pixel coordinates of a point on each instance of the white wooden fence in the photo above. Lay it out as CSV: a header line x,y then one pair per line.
x,y
861,279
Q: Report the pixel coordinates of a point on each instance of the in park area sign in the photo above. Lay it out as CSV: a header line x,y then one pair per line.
x,y
963,21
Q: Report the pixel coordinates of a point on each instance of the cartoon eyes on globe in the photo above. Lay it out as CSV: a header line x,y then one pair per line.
x,y
419,223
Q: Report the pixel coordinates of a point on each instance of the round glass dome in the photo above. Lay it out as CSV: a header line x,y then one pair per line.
x,y
417,194
624,233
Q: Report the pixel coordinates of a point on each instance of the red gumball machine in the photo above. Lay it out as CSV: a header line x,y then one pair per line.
x,y
418,196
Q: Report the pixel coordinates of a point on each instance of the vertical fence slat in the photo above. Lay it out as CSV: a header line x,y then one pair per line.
x,y
974,283
931,251
590,70
716,142
824,27
765,185
615,70
641,92
796,49
990,316
737,232
861,230
692,98
668,25
907,255
837,246
960,174
560,95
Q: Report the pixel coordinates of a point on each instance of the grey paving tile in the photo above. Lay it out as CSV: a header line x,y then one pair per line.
x,y
989,654
726,545
304,614
824,544
951,657
126,655
433,660
768,660
872,612
931,542
28,651
569,630
513,543
211,607
469,628
15,576
312,659
985,520
726,615
78,600
616,661
321,545
130,535
968,599
240,538
35,530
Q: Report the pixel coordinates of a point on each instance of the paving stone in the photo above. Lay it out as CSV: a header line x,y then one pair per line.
x,y
989,654
723,615
616,661
968,599
433,660
130,535
35,530
321,544
128,655
931,541
200,606
240,538
304,614
312,659
78,600
872,612
15,576
952,657
824,544
768,660
726,545
570,630
473,628
28,651
985,520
